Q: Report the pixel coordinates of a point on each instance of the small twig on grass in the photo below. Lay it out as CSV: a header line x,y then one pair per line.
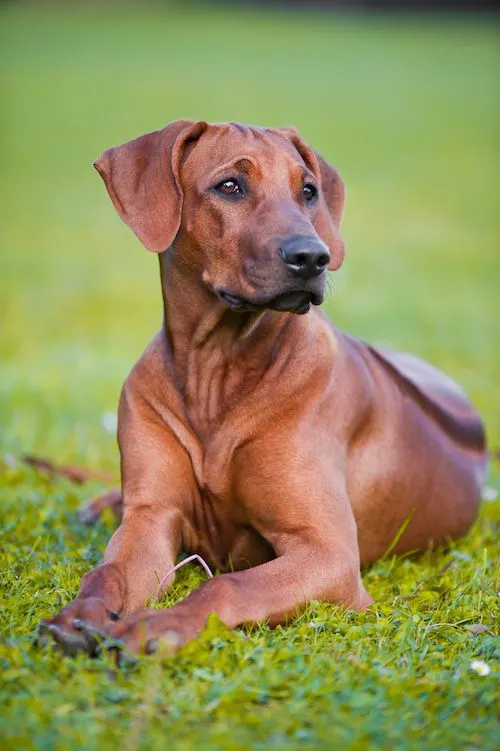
x,y
75,474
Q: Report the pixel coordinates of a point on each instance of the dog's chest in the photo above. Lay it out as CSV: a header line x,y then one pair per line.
x,y
217,528
215,402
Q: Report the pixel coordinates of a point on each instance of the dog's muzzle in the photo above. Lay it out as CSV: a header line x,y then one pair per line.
x,y
306,258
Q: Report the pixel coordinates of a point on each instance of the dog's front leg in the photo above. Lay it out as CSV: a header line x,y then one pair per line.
x,y
303,511
142,548
157,481
270,592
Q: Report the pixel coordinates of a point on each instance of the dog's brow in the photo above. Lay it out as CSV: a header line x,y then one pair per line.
x,y
307,174
235,162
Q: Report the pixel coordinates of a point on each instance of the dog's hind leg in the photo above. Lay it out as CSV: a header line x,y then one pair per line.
x,y
90,512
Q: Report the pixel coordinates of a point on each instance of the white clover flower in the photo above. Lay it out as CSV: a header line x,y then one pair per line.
x,y
480,667
490,494
109,422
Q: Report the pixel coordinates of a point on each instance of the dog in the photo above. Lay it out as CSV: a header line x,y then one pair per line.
x,y
251,431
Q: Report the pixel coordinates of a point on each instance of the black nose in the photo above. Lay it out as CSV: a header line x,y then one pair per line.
x,y
306,257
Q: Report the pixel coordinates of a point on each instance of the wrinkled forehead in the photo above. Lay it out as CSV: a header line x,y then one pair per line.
x,y
243,147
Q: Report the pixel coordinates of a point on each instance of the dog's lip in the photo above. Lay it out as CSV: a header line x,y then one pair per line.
x,y
234,301
296,302
293,301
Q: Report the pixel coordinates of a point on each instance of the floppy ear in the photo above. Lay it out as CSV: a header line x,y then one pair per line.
x,y
332,198
142,179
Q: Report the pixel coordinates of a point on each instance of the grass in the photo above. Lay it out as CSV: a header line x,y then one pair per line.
x,y
407,110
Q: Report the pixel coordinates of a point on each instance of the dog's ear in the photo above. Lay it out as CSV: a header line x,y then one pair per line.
x,y
142,179
332,198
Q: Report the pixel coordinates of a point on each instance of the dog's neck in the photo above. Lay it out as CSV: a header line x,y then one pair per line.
x,y
217,355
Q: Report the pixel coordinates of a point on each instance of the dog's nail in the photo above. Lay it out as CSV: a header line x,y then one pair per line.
x,y
151,646
41,638
126,659
86,628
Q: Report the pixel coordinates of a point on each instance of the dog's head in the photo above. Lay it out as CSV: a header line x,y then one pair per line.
x,y
252,212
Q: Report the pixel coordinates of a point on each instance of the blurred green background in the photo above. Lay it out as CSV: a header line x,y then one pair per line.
x,y
407,108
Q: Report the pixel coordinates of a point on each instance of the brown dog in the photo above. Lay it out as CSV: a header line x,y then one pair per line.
x,y
275,446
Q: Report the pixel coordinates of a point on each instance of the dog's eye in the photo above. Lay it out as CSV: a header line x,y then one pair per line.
x,y
309,191
229,187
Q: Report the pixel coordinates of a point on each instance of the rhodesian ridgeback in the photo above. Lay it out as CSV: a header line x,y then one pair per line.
x,y
251,431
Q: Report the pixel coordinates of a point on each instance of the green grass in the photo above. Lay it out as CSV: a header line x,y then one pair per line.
x,y
408,111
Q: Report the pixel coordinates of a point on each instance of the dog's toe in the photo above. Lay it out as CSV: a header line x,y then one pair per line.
x,y
92,636
71,642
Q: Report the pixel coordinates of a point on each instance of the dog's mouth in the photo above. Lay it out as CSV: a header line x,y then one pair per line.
x,y
298,301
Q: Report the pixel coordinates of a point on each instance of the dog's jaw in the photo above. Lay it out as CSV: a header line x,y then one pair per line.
x,y
294,301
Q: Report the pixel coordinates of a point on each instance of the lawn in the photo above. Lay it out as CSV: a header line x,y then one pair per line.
x,y
408,111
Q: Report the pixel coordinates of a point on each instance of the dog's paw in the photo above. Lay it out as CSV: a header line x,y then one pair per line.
x,y
79,627
147,632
